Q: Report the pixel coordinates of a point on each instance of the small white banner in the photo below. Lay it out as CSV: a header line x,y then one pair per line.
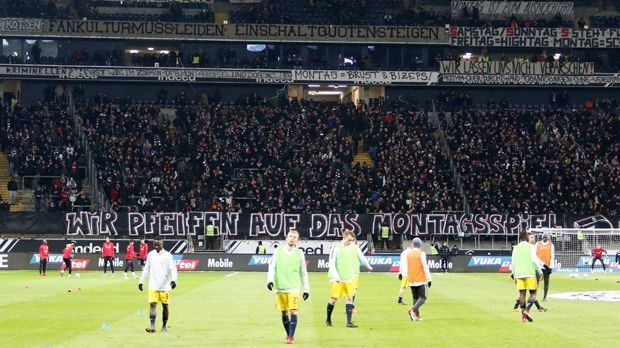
x,y
366,77
310,247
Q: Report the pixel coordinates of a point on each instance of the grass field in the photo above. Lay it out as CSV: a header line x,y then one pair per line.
x,y
237,310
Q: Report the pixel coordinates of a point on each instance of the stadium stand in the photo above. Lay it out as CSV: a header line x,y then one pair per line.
x,y
303,155
559,158
296,158
43,151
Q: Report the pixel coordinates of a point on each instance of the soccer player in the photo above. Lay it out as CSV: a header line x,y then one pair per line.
x,y
418,277
525,264
129,255
161,271
402,276
66,258
342,262
597,255
107,251
358,261
44,254
287,273
546,253
541,264
144,251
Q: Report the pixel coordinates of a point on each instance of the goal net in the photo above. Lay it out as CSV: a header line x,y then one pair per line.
x,y
573,248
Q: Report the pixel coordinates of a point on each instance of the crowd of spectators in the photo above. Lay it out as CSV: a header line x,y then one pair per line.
x,y
388,12
223,57
148,4
410,160
339,12
43,151
173,12
33,9
298,156
336,12
551,159
256,157
271,58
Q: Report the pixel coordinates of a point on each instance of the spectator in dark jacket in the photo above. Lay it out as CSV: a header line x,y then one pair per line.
x,y
11,186
444,254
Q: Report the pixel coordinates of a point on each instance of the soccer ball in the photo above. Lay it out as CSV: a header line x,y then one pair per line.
x,y
77,275
573,275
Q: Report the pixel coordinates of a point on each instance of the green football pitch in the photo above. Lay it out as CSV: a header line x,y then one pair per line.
x,y
237,310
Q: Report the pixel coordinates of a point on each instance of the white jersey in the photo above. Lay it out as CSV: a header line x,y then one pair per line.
x,y
404,267
403,261
160,269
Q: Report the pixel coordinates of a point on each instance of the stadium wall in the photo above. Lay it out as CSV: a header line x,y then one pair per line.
x,y
243,263
491,263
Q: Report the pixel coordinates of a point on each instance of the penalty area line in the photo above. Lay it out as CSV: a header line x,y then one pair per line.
x,y
230,275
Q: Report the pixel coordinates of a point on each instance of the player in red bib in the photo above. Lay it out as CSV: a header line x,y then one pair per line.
x,y
44,254
144,251
129,255
66,258
597,255
107,251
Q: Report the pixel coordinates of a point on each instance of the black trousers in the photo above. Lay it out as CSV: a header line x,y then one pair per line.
x,y
67,264
598,259
444,264
210,242
106,260
418,292
42,266
128,264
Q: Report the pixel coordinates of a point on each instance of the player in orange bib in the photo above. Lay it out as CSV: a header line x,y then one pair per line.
x,y
418,277
546,253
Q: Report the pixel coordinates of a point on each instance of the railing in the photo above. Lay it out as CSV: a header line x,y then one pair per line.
x,y
31,182
455,175
238,171
97,193
40,203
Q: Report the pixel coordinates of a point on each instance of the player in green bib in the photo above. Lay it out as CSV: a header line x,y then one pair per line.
x,y
343,261
525,270
287,274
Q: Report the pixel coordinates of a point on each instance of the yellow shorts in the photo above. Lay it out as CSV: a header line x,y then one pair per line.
x,y
356,282
287,301
527,283
159,296
404,283
341,290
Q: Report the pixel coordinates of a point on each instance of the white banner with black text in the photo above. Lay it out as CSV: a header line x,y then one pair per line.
x,y
516,68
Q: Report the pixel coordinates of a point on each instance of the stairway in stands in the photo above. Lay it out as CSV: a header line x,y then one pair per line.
x,y
4,179
362,157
